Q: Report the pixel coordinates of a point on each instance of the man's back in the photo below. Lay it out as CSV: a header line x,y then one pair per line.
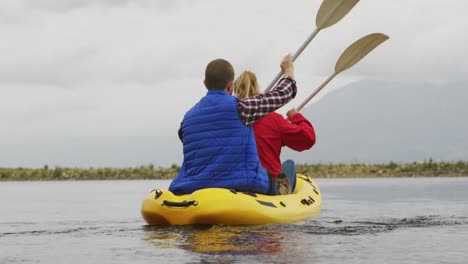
x,y
219,151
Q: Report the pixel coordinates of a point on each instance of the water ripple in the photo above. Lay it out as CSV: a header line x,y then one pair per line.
x,y
372,226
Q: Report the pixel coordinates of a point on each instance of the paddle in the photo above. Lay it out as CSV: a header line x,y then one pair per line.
x,y
352,55
330,12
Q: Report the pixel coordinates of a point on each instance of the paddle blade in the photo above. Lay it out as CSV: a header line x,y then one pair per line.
x,y
358,50
332,11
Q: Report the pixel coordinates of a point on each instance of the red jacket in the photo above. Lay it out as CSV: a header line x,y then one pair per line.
x,y
272,132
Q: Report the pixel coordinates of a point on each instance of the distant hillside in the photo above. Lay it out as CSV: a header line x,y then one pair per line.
x,y
375,121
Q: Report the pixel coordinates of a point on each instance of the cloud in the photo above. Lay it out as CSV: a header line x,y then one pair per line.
x,y
123,68
69,5
143,41
85,47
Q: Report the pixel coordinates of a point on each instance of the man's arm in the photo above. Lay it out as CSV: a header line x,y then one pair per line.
x,y
181,133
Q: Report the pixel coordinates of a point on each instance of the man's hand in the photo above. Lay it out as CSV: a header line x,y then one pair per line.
x,y
287,65
291,113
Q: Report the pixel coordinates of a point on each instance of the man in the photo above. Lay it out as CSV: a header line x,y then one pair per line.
x,y
219,143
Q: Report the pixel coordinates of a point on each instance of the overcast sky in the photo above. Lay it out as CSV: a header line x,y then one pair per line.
x,y
77,72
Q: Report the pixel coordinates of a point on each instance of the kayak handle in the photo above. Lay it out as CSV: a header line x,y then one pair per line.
x,y
157,193
179,204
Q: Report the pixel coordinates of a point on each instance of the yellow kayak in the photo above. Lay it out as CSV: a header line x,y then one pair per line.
x,y
228,207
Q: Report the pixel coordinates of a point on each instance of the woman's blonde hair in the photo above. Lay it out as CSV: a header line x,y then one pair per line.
x,y
246,85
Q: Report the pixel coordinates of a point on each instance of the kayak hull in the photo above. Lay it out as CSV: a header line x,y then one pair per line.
x,y
228,207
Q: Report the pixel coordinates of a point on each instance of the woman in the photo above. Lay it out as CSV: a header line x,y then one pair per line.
x,y
272,132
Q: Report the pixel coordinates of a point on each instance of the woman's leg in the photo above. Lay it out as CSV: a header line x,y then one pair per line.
x,y
289,168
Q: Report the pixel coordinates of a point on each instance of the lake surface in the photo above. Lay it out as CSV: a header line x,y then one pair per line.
x,y
391,220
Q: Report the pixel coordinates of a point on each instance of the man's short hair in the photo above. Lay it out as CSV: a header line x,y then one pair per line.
x,y
218,74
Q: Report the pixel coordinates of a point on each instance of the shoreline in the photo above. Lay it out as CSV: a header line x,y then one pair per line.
x,y
150,172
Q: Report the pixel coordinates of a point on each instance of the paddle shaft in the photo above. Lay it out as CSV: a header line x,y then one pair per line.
x,y
352,55
327,81
298,52
320,23
316,91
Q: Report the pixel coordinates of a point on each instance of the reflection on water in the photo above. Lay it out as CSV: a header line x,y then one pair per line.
x,y
235,240
288,242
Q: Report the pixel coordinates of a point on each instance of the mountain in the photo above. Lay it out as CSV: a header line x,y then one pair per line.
x,y
379,122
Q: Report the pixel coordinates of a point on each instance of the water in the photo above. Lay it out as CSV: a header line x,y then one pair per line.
x,y
404,220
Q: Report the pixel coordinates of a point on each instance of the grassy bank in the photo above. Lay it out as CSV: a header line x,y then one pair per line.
x,y
424,169
59,173
392,169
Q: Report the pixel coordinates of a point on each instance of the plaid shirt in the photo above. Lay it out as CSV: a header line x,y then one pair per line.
x,y
251,109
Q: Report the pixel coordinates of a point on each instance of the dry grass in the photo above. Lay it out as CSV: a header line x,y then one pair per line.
x,y
58,173
424,169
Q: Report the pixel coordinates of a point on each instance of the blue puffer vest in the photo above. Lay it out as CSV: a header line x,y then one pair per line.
x,y
219,150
